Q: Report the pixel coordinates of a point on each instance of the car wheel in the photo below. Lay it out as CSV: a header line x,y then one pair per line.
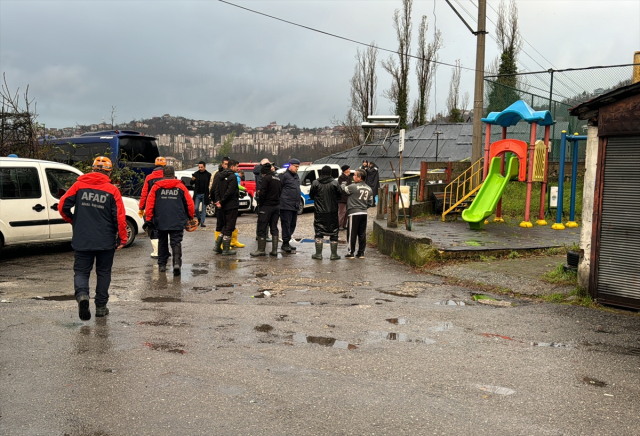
x,y
301,208
211,210
131,232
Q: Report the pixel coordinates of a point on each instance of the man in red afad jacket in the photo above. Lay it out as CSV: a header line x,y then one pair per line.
x,y
156,175
169,208
99,226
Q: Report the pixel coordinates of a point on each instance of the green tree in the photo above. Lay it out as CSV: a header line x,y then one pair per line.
x,y
227,145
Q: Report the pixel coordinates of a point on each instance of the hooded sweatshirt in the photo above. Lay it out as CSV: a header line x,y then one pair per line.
x,y
148,184
99,217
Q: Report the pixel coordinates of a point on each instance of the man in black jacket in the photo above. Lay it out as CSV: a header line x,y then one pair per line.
x,y
325,194
345,178
257,174
200,183
269,203
227,194
373,179
212,197
289,203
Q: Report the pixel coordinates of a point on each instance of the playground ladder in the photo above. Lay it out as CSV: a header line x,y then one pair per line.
x,y
457,193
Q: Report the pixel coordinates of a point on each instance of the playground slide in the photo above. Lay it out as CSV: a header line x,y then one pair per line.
x,y
487,198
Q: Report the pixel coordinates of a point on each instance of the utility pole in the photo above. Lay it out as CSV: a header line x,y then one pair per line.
x,y
476,145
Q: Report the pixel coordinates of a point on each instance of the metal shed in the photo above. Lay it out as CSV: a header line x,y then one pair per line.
x,y
610,238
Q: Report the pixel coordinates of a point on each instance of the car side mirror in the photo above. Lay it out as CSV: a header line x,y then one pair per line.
x,y
306,182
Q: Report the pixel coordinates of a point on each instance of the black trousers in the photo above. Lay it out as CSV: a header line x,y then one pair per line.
x,y
357,230
82,266
163,243
230,218
288,221
219,220
268,217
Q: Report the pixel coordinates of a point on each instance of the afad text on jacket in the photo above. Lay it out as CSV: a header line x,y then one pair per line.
x,y
169,205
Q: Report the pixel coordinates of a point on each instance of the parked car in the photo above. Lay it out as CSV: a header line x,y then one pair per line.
x,y
307,174
30,190
247,202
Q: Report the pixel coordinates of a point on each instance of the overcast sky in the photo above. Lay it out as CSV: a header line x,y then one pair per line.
x,y
209,60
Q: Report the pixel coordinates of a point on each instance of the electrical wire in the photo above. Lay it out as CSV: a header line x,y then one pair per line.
x,y
339,37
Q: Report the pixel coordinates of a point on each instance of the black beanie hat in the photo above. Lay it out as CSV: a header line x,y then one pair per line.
x,y
344,168
325,171
266,168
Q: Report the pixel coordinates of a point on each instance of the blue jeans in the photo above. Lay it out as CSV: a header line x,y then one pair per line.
x,y
200,200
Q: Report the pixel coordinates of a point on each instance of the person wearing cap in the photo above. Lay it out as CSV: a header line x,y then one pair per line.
x,y
269,203
155,175
169,209
289,203
325,193
99,229
344,179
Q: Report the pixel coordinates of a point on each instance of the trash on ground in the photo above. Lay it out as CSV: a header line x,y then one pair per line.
x,y
493,335
594,382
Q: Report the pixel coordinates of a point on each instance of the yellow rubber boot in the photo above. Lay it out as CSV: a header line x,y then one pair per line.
x,y
217,234
234,240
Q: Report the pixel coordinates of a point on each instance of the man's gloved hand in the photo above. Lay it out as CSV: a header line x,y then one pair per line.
x,y
141,213
148,225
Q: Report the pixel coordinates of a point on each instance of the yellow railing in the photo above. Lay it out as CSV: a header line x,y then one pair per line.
x,y
463,187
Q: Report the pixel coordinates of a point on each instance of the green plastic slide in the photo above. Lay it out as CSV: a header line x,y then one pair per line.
x,y
487,198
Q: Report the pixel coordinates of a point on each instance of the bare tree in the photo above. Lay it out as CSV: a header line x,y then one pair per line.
x,y
453,100
112,117
350,127
364,83
398,94
425,70
507,29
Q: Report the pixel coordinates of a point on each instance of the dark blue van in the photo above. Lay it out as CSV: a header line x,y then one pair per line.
x,y
124,147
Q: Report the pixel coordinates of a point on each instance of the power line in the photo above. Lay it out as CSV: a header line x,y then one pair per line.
x,y
338,36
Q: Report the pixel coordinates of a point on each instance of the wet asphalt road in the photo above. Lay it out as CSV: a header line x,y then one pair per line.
x,y
200,355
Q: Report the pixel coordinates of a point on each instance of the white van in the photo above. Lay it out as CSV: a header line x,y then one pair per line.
x,y
30,191
307,174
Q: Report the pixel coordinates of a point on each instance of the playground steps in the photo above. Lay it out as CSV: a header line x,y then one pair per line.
x,y
459,194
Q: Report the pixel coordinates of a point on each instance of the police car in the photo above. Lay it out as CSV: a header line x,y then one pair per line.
x,y
307,174
30,191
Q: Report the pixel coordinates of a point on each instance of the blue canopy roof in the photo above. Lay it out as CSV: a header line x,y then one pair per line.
x,y
516,112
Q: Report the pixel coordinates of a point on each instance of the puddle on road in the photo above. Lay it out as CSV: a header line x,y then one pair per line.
x,y
450,303
72,325
304,303
263,328
401,337
397,294
199,272
168,347
443,327
164,323
401,321
260,275
162,300
325,341
594,382
201,265
226,285
202,289
56,298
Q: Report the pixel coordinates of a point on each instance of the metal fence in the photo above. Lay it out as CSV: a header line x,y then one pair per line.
x,y
556,91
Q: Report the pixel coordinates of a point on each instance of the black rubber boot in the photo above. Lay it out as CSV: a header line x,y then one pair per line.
x,y
218,247
334,251
102,311
226,248
162,268
177,259
262,245
318,255
286,247
83,307
274,245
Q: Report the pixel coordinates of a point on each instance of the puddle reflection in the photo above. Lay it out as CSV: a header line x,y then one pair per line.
x,y
325,341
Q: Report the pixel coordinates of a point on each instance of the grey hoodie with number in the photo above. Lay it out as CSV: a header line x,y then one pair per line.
x,y
360,197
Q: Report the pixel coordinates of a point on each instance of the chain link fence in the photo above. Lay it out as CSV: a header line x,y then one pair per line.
x,y
556,91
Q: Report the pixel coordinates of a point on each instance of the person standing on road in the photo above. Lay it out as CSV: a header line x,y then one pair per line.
x,y
200,181
169,209
99,229
227,203
155,175
257,173
269,213
212,197
289,203
373,180
345,177
360,198
325,194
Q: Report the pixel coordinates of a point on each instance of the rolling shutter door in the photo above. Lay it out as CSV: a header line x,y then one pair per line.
x,y
619,256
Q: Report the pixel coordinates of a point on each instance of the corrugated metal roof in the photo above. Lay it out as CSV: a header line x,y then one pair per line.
x,y
454,144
